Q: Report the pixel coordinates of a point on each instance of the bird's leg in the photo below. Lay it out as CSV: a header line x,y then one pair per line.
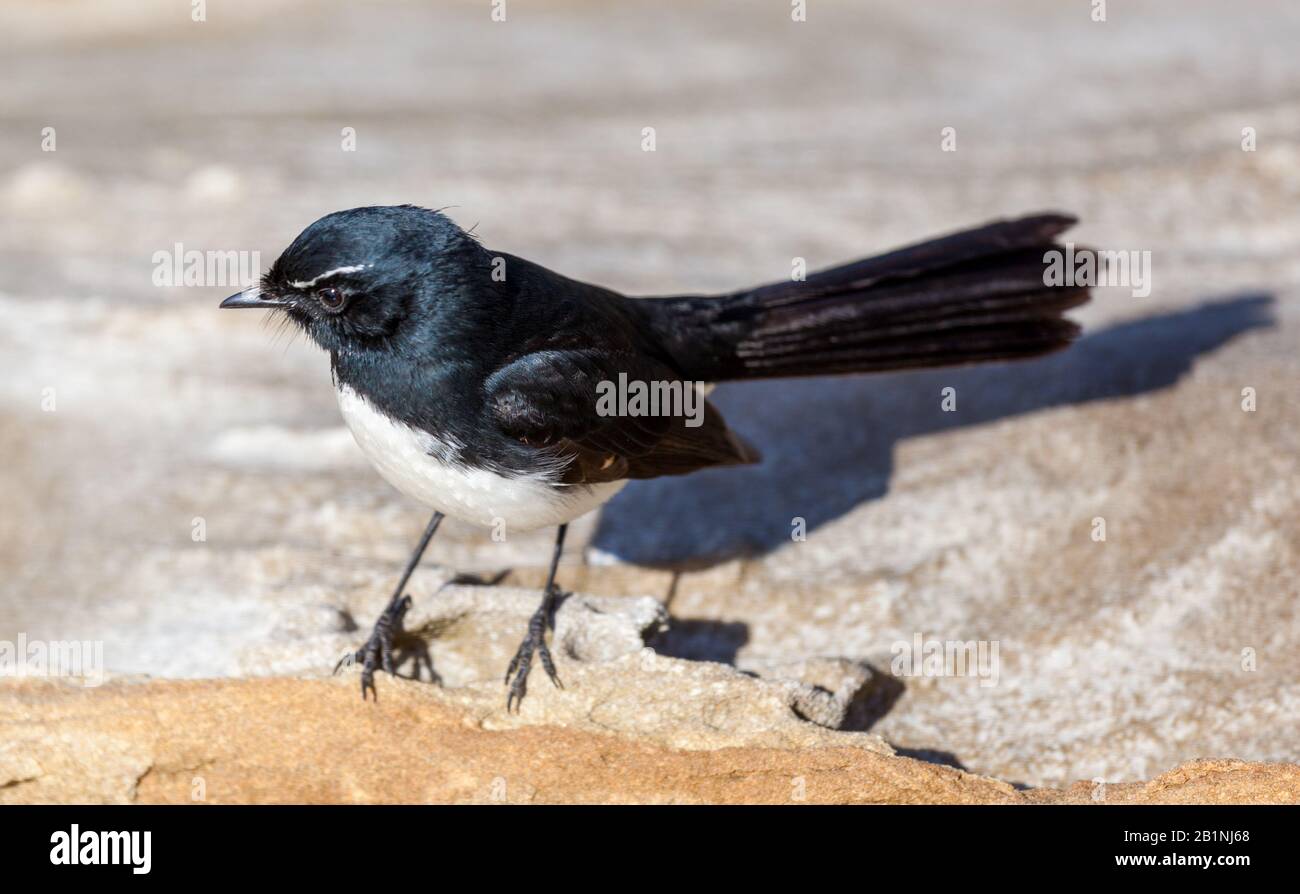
x,y
379,647
535,641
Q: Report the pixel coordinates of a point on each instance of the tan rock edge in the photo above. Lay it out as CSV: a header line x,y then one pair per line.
x,y
278,740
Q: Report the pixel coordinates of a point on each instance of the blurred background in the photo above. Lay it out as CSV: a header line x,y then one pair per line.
x,y
177,483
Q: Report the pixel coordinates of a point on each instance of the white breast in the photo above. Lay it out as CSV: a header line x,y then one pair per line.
x,y
417,464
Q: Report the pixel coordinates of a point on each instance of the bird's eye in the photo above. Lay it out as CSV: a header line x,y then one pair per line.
x,y
332,299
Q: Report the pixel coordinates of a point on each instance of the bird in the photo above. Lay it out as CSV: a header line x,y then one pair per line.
x,y
473,379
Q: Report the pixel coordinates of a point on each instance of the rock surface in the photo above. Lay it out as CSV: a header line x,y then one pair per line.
x,y
277,740
629,725
177,484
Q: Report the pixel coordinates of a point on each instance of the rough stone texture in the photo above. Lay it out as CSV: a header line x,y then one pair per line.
x,y
463,639
277,740
1175,638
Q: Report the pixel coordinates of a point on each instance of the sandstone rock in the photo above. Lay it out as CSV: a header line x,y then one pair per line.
x,y
464,636
278,740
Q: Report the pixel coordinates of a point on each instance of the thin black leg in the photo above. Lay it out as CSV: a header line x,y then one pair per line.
x,y
379,647
535,641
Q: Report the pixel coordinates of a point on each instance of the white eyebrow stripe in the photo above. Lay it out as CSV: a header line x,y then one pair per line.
x,y
337,271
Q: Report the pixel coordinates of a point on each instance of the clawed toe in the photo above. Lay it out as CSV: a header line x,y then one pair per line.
x,y
346,661
378,650
522,663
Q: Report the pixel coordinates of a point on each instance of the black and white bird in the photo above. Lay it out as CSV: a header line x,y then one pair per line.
x,y
470,378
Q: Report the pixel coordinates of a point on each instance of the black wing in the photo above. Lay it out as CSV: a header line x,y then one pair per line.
x,y
559,400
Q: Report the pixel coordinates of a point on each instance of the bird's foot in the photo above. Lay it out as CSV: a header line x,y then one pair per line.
x,y
521,664
378,650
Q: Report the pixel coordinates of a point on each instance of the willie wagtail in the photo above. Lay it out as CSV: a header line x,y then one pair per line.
x,y
471,378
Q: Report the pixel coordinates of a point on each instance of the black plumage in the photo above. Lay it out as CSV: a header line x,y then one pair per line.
x,y
506,366
472,377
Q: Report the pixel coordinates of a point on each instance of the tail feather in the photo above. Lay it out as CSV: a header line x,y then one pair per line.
x,y
971,297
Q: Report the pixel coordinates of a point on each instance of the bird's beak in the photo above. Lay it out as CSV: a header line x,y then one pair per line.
x,y
253,297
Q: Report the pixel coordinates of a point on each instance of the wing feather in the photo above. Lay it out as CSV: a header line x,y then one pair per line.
x,y
550,399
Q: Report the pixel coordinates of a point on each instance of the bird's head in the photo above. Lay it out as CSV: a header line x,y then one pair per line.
x,y
366,277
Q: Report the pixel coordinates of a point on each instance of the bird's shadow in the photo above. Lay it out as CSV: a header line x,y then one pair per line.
x,y
828,444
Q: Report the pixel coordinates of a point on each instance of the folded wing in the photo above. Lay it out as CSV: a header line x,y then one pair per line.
x,y
565,402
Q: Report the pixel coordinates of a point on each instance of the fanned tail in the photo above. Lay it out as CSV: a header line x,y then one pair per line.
x,y
971,297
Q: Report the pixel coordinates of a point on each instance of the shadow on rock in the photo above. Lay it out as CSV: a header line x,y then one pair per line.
x,y
410,647
876,698
828,444
701,640
931,756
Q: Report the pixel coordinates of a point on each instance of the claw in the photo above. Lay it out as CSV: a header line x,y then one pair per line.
x,y
548,665
378,646
347,659
534,643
